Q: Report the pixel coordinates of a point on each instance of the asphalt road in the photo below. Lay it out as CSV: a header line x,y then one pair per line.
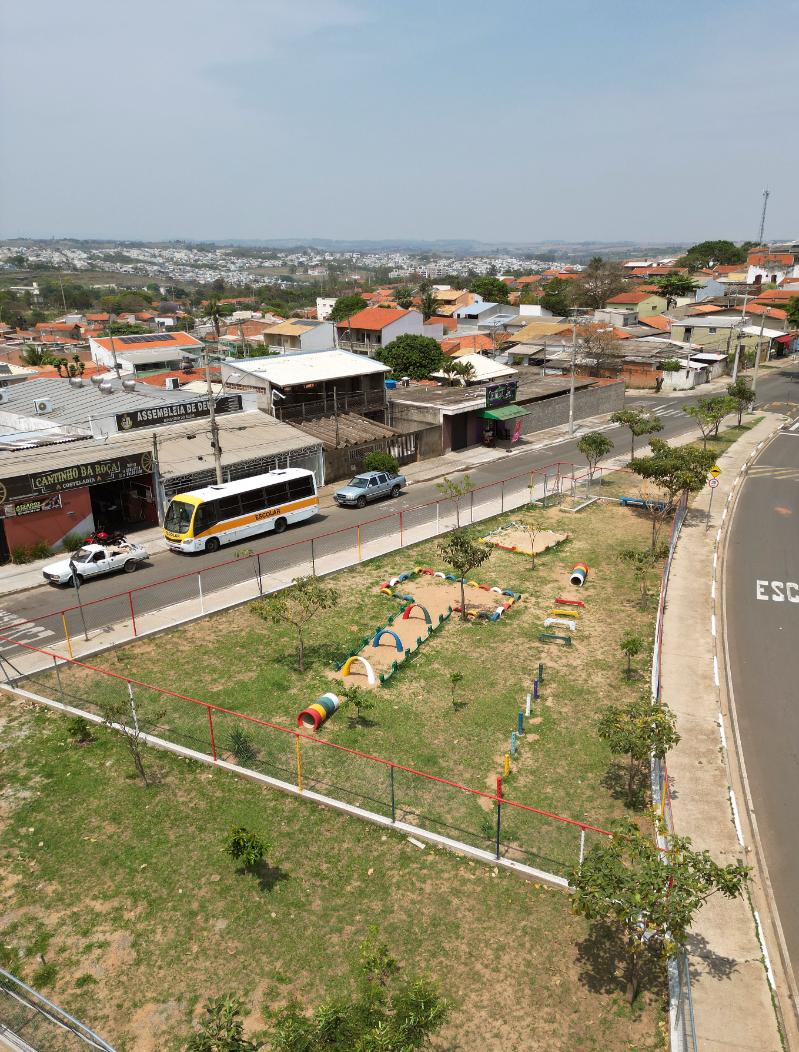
x,y
774,385
762,611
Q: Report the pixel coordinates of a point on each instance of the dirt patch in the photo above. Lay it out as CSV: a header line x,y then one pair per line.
x,y
151,1023
516,539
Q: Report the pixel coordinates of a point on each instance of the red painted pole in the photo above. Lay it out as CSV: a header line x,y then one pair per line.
x,y
132,612
211,728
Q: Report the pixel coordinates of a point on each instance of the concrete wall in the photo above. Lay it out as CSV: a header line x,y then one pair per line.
x,y
588,401
319,338
406,448
74,516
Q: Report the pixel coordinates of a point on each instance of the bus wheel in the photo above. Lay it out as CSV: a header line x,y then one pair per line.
x,y
280,525
212,544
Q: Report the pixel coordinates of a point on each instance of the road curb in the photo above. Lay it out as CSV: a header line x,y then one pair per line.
x,y
779,971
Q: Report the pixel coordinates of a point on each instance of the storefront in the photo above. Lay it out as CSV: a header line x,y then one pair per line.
x,y
503,425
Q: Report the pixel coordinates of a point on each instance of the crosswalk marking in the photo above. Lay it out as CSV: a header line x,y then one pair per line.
x,y
774,472
27,632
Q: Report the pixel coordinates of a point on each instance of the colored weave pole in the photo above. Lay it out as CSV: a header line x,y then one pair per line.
x,y
499,786
527,711
507,764
540,672
535,688
520,723
578,575
513,743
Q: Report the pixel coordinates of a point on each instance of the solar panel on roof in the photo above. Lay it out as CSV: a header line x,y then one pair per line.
x,y
159,337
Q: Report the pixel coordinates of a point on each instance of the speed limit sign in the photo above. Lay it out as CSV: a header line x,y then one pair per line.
x,y
712,483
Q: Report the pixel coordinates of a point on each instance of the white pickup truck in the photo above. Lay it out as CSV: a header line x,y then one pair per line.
x,y
93,560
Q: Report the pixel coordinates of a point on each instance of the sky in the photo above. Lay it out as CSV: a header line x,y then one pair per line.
x,y
507,122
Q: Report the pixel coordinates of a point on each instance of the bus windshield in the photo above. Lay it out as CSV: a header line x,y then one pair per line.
x,y
178,516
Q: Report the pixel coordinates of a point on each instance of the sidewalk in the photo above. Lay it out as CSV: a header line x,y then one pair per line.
x,y
731,995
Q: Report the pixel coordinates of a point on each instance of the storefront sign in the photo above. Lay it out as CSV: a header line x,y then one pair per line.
x,y
517,431
500,394
175,412
30,507
110,470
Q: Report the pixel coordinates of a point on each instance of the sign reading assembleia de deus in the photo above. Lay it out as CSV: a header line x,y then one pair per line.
x,y
175,411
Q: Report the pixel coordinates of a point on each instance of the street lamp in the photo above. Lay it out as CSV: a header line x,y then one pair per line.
x,y
576,313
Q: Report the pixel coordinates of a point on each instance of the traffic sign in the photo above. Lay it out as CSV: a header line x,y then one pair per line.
x,y
715,471
712,483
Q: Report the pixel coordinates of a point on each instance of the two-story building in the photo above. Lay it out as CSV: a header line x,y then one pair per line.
x,y
644,303
375,327
300,334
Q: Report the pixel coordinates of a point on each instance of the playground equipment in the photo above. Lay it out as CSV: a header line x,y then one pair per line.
x,y
319,712
562,621
387,632
406,613
553,637
578,575
515,537
560,601
370,674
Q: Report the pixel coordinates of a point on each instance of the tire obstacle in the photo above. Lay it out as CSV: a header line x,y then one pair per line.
x,y
371,679
578,575
319,712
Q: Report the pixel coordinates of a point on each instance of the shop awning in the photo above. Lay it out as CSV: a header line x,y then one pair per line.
x,y
504,412
787,338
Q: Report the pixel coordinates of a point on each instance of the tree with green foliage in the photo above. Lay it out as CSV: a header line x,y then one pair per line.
x,y
456,491
631,646
708,414
387,1012
361,699
792,310
672,286
639,730
428,304
671,365
640,422
648,897
594,445
455,680
214,312
221,1028
377,460
713,253
404,297
643,561
413,356
741,396
296,606
490,288
675,469
245,847
463,556
37,356
346,306
126,716
556,296
449,370
464,371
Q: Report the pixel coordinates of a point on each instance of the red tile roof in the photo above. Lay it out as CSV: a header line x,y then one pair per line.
x,y
706,308
760,259
630,297
462,344
171,341
769,312
658,321
373,318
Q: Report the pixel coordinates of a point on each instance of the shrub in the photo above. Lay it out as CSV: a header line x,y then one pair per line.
x,y
243,747
379,461
72,542
79,731
245,847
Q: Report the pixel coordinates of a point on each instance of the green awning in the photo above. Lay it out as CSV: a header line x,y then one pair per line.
x,y
504,412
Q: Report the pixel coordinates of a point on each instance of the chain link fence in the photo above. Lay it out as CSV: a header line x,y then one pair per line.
x,y
29,1021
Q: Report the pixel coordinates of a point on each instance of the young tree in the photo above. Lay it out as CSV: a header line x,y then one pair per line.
x,y
640,422
631,646
490,288
642,562
456,491
377,460
124,716
675,469
296,606
639,730
455,680
649,897
672,286
362,701
658,508
346,306
463,556
221,1028
556,296
532,527
413,356
449,369
593,446
465,371
215,313
387,1012
708,414
245,847
742,395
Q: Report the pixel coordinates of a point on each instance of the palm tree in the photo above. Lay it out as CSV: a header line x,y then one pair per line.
x,y
465,370
215,314
449,369
428,304
32,355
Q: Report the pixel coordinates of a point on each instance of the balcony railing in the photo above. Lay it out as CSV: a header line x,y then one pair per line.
x,y
356,402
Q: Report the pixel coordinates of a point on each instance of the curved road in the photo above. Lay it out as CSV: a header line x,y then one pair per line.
x,y
761,594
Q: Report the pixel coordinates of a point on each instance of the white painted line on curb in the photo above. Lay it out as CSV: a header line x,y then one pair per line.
x,y
718,535
713,625
735,818
722,733
716,670
713,589
761,939
724,514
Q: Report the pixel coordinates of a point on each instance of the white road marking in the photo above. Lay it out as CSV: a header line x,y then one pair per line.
x,y
722,735
794,427
716,670
713,589
761,939
736,819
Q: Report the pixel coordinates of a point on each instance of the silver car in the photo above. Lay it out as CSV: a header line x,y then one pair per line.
x,y
369,486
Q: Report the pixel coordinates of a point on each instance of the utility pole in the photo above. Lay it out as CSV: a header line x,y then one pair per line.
x,y
766,195
571,383
757,351
215,447
117,369
157,483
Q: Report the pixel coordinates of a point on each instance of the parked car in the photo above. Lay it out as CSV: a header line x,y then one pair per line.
x,y
369,486
94,560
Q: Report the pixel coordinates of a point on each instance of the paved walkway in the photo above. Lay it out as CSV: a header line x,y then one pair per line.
x,y
732,1000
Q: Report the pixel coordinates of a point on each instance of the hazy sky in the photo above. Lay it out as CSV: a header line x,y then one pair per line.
x,y
508,121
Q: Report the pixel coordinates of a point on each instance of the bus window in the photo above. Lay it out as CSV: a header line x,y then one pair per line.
x,y
230,507
178,516
277,494
206,517
301,487
252,501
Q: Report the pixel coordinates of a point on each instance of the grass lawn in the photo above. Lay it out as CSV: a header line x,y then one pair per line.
x,y
250,666
118,901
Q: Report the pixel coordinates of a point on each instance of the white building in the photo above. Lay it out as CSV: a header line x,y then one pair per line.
x,y
324,307
162,350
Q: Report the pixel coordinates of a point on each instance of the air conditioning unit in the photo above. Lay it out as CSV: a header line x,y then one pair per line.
x,y
43,405
172,383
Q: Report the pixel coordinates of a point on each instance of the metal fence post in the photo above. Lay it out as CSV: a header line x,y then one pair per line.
x,y
499,811
401,540
132,612
258,571
299,762
58,677
502,496
393,803
313,560
471,508
582,847
200,585
211,729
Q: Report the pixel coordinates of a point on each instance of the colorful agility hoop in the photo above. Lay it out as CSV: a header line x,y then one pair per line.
x,y
316,714
578,575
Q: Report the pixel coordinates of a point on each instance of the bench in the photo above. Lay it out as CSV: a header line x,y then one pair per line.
x,y
553,637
